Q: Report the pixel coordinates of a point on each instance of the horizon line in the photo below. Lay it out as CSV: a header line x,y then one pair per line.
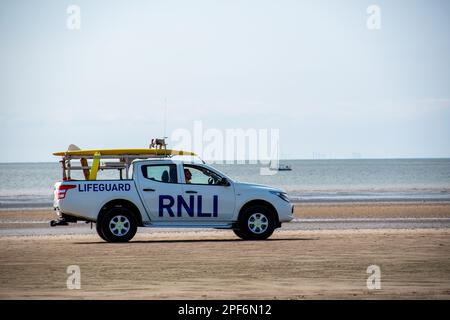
x,y
281,159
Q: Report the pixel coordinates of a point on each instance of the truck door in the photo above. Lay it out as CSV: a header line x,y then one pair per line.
x,y
159,188
214,198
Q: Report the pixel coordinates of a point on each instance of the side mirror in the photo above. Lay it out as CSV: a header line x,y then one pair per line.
x,y
224,182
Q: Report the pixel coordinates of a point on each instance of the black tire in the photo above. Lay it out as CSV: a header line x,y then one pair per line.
x,y
257,222
98,227
239,233
118,225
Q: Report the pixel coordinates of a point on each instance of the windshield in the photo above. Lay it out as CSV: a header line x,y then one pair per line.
x,y
217,172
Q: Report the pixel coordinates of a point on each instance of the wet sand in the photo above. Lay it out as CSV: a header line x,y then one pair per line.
x,y
214,264
302,210
373,210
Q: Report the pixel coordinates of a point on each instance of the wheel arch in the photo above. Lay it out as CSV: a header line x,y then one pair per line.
x,y
263,203
121,203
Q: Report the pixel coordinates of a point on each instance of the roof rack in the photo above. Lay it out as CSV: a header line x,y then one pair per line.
x,y
124,156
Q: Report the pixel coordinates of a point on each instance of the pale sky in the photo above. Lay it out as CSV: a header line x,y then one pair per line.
x,y
312,69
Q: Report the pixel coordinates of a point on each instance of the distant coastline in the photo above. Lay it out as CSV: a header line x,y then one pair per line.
x,y
30,185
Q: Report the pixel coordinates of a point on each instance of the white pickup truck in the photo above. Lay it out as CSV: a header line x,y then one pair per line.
x,y
164,192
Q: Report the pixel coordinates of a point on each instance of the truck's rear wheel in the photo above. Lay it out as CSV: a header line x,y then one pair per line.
x,y
256,222
118,225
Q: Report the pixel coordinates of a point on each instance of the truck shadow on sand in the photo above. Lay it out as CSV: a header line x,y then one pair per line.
x,y
196,241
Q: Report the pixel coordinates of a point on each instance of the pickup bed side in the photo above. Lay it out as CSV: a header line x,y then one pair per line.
x,y
84,198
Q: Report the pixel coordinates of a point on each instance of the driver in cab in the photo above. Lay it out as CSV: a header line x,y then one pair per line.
x,y
187,175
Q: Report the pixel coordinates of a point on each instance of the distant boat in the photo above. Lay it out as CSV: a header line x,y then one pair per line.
x,y
280,167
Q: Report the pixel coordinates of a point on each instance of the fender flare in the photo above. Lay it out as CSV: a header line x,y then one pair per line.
x,y
263,203
120,203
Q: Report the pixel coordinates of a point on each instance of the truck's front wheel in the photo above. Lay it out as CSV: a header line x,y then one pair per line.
x,y
256,222
98,227
118,225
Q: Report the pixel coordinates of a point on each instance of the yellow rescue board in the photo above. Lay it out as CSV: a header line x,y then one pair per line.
x,y
125,152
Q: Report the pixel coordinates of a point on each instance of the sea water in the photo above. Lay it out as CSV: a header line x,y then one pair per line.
x,y
30,185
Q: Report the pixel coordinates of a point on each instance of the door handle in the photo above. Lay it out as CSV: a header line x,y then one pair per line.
x,y
191,191
148,190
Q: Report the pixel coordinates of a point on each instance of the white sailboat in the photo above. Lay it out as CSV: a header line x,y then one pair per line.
x,y
279,167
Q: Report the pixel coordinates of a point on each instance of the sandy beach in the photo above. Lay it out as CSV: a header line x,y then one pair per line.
x,y
214,264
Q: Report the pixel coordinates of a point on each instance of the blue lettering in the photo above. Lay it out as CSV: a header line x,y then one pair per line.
x,y
104,187
167,206
215,206
189,208
199,209
167,202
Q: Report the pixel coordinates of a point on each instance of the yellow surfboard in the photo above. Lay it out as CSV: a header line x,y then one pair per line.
x,y
124,152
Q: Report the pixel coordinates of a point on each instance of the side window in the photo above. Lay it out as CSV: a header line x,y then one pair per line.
x,y
200,175
160,172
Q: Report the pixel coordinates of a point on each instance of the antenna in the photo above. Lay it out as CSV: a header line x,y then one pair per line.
x,y
161,142
165,118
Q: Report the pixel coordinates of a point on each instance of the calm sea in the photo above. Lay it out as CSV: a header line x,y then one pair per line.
x,y
30,185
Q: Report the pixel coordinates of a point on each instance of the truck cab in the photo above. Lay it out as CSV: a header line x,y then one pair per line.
x,y
165,192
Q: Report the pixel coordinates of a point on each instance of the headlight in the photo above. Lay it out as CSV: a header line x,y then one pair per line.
x,y
281,195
